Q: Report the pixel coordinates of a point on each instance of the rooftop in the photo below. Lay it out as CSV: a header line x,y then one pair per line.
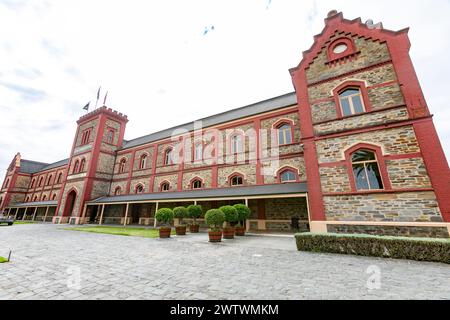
x,y
276,103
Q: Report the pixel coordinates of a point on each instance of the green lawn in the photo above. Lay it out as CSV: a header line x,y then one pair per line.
x,y
3,260
130,232
23,222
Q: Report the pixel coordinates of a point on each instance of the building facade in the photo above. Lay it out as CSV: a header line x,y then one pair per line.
x,y
353,149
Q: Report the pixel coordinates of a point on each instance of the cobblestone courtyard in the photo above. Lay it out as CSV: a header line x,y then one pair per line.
x,y
47,260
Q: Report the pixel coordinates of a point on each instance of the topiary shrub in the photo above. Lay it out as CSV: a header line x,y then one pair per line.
x,y
419,249
243,212
214,219
231,214
180,213
165,216
195,212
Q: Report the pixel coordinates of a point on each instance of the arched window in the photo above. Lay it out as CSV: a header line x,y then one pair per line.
x,y
118,191
139,189
41,181
122,165
32,183
54,197
143,162
237,145
35,198
86,136
49,180
284,134
82,165
168,157
288,175
76,167
59,178
198,152
366,170
351,101
196,184
27,199
44,197
236,180
165,186
6,183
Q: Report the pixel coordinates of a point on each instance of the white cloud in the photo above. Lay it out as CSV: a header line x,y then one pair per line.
x,y
161,71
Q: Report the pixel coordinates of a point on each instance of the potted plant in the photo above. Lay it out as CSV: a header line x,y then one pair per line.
x,y
194,212
243,214
231,216
214,219
180,213
165,216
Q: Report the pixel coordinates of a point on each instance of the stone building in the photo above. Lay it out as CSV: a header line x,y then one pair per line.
x,y
353,149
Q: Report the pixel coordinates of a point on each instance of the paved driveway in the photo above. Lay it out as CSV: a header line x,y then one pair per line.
x,y
52,263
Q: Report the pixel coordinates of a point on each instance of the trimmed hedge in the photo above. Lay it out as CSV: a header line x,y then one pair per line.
x,y
418,249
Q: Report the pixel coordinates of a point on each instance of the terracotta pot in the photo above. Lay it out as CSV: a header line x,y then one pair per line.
x,y
164,232
215,236
240,232
228,233
181,231
194,228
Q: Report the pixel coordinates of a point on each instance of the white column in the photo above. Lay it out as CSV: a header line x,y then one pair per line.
x,y
46,214
155,223
25,214
83,214
126,215
34,214
15,216
101,215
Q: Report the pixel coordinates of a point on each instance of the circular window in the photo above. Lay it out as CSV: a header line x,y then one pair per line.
x,y
340,48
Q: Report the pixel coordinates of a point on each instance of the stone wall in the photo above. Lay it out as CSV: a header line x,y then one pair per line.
x,y
372,52
172,179
364,120
204,175
396,207
249,172
408,173
396,141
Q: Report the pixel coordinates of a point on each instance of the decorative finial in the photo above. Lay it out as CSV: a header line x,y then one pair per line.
x,y
332,13
371,25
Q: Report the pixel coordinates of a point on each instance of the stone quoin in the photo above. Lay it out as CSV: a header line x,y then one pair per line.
x,y
353,149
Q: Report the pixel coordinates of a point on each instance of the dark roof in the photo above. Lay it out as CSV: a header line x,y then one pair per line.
x,y
278,189
27,166
283,101
56,164
35,204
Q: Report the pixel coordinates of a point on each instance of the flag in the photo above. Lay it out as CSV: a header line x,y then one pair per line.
x,y
106,96
98,96
86,107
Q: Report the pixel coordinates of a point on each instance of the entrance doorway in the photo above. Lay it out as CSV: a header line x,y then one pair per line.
x,y
70,203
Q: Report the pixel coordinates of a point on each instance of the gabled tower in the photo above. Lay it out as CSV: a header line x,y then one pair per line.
x,y
371,150
14,186
91,163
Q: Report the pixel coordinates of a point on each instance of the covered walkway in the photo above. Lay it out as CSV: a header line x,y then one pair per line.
x,y
272,206
32,211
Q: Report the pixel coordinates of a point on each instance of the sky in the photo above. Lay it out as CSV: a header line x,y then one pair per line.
x,y
168,62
